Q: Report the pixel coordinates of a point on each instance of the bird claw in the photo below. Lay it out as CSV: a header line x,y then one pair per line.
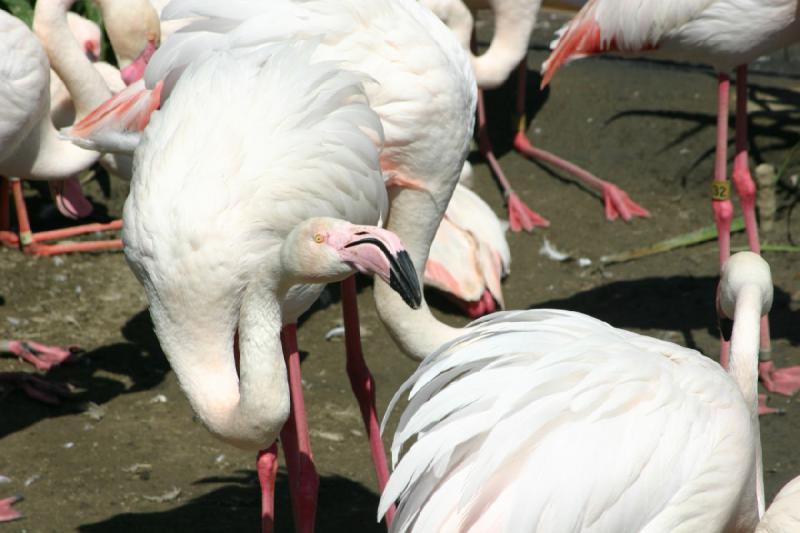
x,y
764,409
618,204
42,356
520,216
784,381
7,513
37,387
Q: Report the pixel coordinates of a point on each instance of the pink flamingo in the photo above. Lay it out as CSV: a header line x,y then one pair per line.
x,y
727,34
469,255
424,94
513,25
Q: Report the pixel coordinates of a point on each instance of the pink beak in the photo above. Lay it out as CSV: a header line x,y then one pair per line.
x,y
134,72
372,250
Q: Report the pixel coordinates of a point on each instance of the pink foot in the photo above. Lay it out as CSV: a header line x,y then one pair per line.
x,y
618,204
520,216
477,309
784,381
7,513
42,356
36,387
764,409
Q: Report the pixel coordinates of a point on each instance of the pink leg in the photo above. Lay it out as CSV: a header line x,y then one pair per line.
x,y
720,189
42,356
617,202
267,468
363,385
784,380
34,243
7,513
303,478
520,216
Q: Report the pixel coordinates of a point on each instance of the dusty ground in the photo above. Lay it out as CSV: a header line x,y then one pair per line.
x,y
647,126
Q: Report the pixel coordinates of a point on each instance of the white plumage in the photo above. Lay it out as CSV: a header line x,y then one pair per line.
x,y
551,420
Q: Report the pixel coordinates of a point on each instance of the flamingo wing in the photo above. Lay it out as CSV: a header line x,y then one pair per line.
x,y
550,420
783,515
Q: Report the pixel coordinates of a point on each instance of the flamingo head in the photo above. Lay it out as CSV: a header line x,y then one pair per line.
x,y
323,249
743,268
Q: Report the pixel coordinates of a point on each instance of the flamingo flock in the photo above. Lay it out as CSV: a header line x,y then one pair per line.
x,y
275,147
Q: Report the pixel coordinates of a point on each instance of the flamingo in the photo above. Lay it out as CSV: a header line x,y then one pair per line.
x,y
424,94
513,24
551,420
726,34
783,514
469,255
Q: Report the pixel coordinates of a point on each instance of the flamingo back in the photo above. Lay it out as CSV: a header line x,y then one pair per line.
x,y
549,420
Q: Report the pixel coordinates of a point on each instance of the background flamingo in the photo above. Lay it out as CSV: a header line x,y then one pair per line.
x,y
469,255
550,420
727,34
513,24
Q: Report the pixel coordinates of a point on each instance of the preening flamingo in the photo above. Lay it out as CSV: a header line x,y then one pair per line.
x,y
726,34
469,255
550,420
513,24
267,141
424,94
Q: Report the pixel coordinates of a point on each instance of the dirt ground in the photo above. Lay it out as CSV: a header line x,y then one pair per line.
x,y
125,454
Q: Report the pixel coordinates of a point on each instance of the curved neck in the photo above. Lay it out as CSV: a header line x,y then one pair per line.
x,y
43,156
417,332
247,410
67,58
743,367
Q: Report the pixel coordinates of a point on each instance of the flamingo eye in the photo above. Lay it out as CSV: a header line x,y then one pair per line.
x,y
318,238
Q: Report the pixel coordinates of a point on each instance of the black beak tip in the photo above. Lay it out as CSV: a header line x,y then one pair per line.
x,y
725,328
403,279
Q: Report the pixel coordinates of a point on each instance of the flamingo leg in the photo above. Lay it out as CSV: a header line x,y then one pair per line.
x,y
8,513
35,243
520,216
42,356
617,202
303,478
267,468
363,385
784,381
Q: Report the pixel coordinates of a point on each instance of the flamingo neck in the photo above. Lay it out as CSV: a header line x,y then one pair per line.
x,y
43,156
67,58
246,410
743,367
414,217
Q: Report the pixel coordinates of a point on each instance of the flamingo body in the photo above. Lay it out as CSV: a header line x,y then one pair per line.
x,y
503,415
723,33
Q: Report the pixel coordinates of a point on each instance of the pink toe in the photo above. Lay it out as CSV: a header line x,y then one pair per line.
x,y
8,513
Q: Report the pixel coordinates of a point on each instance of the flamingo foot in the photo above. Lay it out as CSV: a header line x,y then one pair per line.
x,y
477,309
784,381
618,204
7,513
764,409
42,356
520,216
36,387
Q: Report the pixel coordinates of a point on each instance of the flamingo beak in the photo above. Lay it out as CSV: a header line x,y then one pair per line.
x,y
134,72
372,250
724,324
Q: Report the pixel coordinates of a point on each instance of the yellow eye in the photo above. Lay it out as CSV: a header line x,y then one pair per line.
x,y
318,238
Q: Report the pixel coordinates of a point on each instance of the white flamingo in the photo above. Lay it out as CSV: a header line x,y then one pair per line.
x,y
549,420
469,255
513,24
726,34
424,94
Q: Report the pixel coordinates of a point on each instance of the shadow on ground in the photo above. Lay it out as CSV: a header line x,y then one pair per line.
x,y
344,505
99,376
664,303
